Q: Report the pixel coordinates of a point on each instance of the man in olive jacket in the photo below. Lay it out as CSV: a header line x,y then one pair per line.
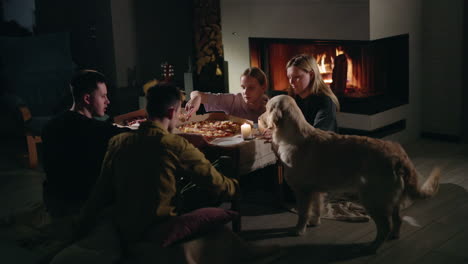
x,y
140,171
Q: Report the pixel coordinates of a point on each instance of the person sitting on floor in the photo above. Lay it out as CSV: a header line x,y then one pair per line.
x,y
248,104
314,97
74,144
140,176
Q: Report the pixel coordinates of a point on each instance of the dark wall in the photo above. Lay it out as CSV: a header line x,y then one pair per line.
x,y
90,25
163,33
465,75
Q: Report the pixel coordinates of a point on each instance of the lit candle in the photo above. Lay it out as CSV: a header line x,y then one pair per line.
x,y
246,131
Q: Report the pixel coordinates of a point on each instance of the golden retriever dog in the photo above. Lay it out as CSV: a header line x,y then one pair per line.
x,y
318,161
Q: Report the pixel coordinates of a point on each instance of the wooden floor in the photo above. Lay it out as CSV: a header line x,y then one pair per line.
x,y
441,237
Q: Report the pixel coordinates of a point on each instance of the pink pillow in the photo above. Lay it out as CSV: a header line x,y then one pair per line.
x,y
193,223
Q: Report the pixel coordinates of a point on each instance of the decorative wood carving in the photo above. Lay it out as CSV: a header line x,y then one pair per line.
x,y
207,23
209,55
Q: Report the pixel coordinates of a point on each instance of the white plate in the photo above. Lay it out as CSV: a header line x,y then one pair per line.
x,y
227,141
133,127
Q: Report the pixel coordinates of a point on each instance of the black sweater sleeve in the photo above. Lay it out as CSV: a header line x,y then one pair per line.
x,y
325,119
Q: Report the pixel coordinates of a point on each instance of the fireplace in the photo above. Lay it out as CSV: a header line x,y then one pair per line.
x,y
368,77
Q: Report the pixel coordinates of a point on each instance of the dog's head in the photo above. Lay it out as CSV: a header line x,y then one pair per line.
x,y
276,109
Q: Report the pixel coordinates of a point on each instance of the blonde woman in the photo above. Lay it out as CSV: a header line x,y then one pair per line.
x,y
315,98
248,104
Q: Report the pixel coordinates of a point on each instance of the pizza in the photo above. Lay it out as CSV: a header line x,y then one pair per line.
x,y
211,129
134,122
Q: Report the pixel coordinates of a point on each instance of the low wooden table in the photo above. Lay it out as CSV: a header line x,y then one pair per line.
x,y
248,156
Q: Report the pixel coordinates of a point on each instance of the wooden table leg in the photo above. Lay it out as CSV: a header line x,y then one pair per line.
x,y
236,202
279,182
236,223
32,150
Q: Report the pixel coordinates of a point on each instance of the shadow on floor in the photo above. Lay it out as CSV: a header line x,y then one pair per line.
x,y
262,234
325,253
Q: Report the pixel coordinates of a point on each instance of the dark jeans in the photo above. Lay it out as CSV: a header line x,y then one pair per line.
x,y
59,207
191,196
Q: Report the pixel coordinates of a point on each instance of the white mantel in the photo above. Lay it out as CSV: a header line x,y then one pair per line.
x,y
389,18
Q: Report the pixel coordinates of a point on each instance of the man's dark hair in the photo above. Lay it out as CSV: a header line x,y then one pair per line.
x,y
85,81
160,98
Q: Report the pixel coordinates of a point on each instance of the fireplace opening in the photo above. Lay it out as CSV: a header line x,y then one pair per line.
x,y
368,77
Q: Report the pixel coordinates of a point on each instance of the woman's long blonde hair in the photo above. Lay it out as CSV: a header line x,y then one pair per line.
x,y
307,63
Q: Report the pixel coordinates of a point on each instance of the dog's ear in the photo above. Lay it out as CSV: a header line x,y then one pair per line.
x,y
274,117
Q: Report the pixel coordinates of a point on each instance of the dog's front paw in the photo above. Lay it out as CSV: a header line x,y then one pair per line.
x,y
300,231
364,249
369,249
314,221
393,236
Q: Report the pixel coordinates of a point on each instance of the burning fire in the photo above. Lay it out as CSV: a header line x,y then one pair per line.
x,y
326,64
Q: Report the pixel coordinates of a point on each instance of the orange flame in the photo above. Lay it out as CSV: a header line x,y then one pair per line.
x,y
326,65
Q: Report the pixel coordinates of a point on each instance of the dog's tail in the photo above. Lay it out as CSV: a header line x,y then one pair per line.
x,y
406,169
428,189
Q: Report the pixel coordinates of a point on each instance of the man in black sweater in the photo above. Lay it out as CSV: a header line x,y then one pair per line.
x,y
74,145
